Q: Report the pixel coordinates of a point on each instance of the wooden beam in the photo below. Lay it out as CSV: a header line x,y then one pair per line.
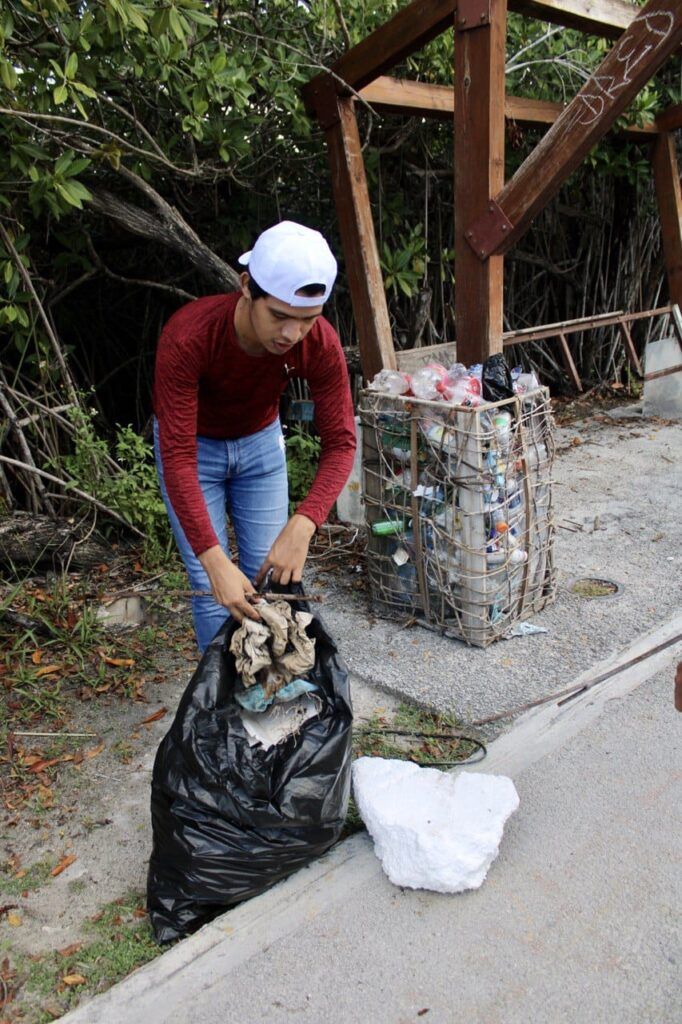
x,y
650,39
607,18
670,119
419,22
356,227
420,99
479,173
406,32
630,350
669,198
569,365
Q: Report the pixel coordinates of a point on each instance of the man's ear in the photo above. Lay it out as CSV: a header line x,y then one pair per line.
x,y
244,284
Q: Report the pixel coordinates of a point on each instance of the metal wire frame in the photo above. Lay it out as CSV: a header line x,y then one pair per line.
x,y
459,511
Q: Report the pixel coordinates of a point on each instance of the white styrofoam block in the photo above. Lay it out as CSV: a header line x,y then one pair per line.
x,y
432,830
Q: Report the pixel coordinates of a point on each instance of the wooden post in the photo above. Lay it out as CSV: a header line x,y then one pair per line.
x,y
479,172
356,227
569,365
669,198
652,36
630,350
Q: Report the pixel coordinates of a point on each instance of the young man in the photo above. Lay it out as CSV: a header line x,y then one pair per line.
x,y
222,364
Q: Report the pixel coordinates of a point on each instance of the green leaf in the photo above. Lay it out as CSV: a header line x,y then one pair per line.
x,y
78,189
8,272
60,94
84,89
219,62
201,19
66,191
78,166
8,75
137,19
175,22
71,66
64,161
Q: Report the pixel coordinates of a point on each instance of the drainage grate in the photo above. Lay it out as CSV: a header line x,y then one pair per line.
x,y
592,587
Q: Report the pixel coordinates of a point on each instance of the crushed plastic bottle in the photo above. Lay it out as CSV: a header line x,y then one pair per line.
x,y
429,381
464,390
391,382
525,382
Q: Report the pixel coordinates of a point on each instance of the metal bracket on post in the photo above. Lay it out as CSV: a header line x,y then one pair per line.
x,y
485,235
472,14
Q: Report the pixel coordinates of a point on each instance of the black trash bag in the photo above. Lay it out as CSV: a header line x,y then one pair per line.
x,y
230,820
496,379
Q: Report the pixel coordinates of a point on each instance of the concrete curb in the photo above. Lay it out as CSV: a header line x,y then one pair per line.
x,y
151,993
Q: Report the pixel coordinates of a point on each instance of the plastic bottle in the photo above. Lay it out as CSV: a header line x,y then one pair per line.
x,y
464,390
526,382
387,527
456,371
390,382
426,381
502,424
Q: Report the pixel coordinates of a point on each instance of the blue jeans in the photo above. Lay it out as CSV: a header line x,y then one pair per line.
x,y
246,477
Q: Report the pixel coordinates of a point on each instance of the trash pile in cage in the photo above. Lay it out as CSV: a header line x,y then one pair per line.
x,y
458,495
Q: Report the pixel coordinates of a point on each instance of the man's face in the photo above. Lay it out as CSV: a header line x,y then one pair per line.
x,y
276,326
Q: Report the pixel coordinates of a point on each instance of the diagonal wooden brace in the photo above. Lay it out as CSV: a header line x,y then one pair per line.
x,y
648,41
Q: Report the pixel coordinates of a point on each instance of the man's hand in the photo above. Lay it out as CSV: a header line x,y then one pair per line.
x,y
229,585
287,555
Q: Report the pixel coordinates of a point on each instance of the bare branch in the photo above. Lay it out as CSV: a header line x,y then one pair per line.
x,y
26,277
68,486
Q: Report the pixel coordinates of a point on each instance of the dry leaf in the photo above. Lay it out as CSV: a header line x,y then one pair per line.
x,y
140,912
69,950
155,717
14,919
73,979
31,759
41,765
20,874
48,670
117,662
63,864
37,657
94,751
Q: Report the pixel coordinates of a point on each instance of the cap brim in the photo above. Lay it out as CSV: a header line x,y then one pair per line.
x,y
245,257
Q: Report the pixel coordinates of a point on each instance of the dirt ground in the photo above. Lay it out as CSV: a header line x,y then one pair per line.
x,y
74,805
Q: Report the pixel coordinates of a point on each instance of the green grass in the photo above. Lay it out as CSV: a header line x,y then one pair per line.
x,y
120,942
36,875
375,739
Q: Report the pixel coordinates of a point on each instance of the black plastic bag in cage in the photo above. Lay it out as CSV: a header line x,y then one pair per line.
x,y
496,381
230,819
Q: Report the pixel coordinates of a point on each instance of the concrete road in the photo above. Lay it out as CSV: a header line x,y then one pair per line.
x,y
578,920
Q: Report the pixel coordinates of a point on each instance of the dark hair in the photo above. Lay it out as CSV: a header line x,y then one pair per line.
x,y
311,291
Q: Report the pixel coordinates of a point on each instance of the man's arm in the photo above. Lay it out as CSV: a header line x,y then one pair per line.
x,y
335,421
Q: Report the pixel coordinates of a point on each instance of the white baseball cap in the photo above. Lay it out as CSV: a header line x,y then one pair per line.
x,y
286,258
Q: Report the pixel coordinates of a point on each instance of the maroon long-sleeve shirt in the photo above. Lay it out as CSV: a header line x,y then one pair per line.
x,y
206,385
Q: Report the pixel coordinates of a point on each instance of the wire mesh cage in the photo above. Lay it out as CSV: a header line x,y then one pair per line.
x,y
459,511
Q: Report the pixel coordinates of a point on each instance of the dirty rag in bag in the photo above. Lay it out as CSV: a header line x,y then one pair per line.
x,y
274,651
